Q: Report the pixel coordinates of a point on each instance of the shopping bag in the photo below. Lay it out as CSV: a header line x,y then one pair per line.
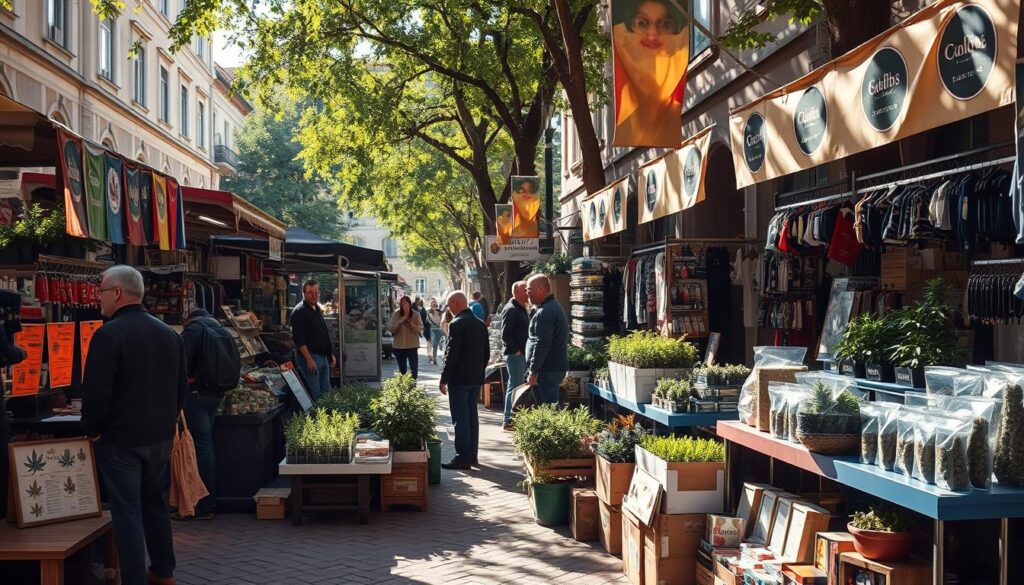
x,y
187,487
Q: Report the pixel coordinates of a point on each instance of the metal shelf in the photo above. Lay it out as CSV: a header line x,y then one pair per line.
x,y
662,416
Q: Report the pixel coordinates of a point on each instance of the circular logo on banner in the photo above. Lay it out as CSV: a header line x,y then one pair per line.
x,y
602,212
754,143
691,172
72,161
114,190
967,52
652,189
883,92
810,120
161,203
593,215
617,205
134,203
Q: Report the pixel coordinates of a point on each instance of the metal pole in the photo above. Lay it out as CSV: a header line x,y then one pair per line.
x,y
1004,551
938,553
549,181
341,324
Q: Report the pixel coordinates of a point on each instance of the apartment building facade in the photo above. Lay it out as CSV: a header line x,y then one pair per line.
x,y
369,233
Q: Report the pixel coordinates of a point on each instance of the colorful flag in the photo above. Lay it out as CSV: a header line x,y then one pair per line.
x,y
146,203
651,51
132,176
160,211
76,217
180,240
172,213
526,207
114,188
95,193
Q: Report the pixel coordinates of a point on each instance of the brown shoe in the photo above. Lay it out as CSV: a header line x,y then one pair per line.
x,y
155,580
508,427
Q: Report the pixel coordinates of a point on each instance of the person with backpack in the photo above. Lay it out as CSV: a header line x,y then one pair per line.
x,y
213,367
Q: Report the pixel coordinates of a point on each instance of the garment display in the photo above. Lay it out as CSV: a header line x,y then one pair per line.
x,y
993,294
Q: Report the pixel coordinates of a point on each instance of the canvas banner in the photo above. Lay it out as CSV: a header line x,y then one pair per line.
x,y
160,212
604,213
675,181
525,207
75,216
95,192
146,204
650,54
132,178
949,61
114,189
503,223
179,220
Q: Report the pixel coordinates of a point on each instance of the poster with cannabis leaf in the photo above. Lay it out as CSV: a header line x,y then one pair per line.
x,y
55,481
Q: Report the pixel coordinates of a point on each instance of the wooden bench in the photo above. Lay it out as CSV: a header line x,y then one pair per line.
x,y
331,487
52,544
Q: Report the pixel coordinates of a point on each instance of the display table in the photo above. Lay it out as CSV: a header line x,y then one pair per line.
x,y
938,504
52,544
660,415
247,456
332,486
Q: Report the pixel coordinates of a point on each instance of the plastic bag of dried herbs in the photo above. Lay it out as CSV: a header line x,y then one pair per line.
x,y
939,380
952,437
788,359
984,416
870,415
778,393
834,381
1008,457
888,433
905,441
924,447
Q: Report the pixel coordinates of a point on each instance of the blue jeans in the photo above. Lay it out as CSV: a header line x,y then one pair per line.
x,y
408,359
132,480
547,386
318,383
516,376
199,412
435,341
462,402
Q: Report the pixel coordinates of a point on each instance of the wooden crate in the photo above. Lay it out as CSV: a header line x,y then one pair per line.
x,y
584,517
272,503
910,572
406,485
563,468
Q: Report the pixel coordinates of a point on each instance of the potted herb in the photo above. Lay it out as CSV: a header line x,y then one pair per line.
x,y
406,416
320,437
601,378
923,336
882,534
638,360
672,394
354,397
549,498
556,441
691,471
829,421
616,458
584,360
865,344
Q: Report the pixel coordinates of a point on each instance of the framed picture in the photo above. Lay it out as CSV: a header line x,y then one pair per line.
x,y
54,481
714,340
643,497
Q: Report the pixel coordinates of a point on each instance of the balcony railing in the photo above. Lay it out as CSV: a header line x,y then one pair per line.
x,y
222,155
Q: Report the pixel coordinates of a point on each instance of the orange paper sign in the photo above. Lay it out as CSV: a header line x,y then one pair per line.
x,y
60,340
86,329
26,374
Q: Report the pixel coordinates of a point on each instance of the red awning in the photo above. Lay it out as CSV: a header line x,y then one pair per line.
x,y
239,207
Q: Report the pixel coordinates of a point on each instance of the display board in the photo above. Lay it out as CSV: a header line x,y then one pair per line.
x,y
363,323
54,481
297,388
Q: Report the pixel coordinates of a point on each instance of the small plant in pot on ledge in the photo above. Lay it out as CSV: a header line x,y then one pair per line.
x,y
865,344
404,414
829,421
616,458
320,437
637,361
691,471
883,533
923,336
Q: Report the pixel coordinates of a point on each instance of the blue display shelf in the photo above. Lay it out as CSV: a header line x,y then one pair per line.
x,y
929,500
662,416
887,387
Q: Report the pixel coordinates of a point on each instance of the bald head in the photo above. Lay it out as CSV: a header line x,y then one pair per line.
x,y
538,288
519,292
457,302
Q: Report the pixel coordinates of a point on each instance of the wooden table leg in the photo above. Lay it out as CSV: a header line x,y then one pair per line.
x,y
296,500
51,572
113,561
364,499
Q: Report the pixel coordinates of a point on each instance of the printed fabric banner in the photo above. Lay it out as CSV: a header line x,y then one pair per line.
x,y
651,200
650,51
146,204
86,329
172,213
95,193
132,178
949,61
114,188
526,207
76,217
160,211
60,345
179,222
503,223
26,374
604,213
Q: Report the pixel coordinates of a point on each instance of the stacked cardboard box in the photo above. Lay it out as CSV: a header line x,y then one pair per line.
x,y
612,482
663,553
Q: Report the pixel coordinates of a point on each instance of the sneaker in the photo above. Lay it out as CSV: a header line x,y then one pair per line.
x,y
197,516
508,427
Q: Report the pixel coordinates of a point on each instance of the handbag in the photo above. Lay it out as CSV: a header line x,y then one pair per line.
x,y
187,487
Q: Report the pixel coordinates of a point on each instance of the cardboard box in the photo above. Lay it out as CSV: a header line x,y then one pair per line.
x,y
704,576
610,534
827,548
725,531
674,536
901,268
806,521
688,488
673,571
584,518
750,504
272,503
803,575
632,548
612,480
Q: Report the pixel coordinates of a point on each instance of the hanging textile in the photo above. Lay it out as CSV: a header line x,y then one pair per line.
x,y
179,241
132,179
160,211
146,204
76,216
95,192
114,189
173,196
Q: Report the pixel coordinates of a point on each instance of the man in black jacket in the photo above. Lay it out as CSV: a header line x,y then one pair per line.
x,y
312,341
134,387
465,359
515,328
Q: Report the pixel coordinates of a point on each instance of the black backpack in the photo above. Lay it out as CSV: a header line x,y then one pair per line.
x,y
220,362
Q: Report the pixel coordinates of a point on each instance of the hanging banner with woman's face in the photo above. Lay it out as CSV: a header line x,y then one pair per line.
x,y
526,207
651,51
503,223
517,235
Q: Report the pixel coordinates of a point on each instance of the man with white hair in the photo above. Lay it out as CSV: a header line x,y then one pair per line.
x,y
465,359
134,388
546,348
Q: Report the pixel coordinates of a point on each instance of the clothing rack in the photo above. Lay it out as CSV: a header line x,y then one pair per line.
x,y
669,241
998,262
935,161
824,199
814,194
938,174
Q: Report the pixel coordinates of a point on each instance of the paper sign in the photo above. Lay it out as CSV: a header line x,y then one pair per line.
x,y
60,341
85,332
643,497
26,374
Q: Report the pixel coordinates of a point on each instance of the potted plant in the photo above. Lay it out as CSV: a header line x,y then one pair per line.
x,y
638,360
353,397
865,344
923,336
672,394
404,414
616,458
601,378
691,471
320,437
549,498
584,360
882,534
829,421
556,441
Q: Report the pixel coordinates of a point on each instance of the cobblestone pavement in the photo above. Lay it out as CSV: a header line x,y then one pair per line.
x,y
478,529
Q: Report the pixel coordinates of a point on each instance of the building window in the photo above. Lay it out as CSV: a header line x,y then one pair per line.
x,y
701,11
201,48
184,110
56,21
165,8
139,76
421,286
201,124
107,48
359,241
217,141
390,247
165,96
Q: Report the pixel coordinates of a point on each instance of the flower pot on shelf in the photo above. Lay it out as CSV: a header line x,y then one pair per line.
x,y
852,368
910,377
690,488
879,373
550,503
637,384
881,546
612,480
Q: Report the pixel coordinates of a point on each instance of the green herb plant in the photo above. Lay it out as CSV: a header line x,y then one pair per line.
x,y
684,449
922,331
404,413
616,443
674,389
547,433
866,339
354,397
721,375
824,400
644,349
601,374
883,518
328,432
589,357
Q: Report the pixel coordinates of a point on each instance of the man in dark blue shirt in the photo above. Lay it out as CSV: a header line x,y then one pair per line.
x,y
465,359
546,347
312,341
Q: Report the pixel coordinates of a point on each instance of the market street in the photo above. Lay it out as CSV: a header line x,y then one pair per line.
x,y
478,529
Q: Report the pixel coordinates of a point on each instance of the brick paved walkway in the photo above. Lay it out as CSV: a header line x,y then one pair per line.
x,y
479,529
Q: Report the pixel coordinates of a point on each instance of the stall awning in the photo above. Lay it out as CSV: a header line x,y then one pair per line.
x,y
675,181
198,204
947,62
604,213
304,251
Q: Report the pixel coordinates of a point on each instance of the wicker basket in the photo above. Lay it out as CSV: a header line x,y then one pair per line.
x,y
830,444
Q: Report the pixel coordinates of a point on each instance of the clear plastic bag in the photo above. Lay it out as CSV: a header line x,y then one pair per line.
x,y
870,415
1008,456
888,434
905,442
778,416
828,410
983,413
969,383
952,454
939,380
924,448
765,356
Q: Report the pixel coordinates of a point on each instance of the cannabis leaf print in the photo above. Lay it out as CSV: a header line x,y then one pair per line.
x,y
81,455
35,490
35,463
36,510
69,486
66,459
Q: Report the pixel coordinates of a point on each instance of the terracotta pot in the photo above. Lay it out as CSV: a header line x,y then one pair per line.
x,y
881,546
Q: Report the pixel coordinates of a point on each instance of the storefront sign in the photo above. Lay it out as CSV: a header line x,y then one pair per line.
x,y
26,374
597,221
75,222
518,249
947,62
675,181
60,345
